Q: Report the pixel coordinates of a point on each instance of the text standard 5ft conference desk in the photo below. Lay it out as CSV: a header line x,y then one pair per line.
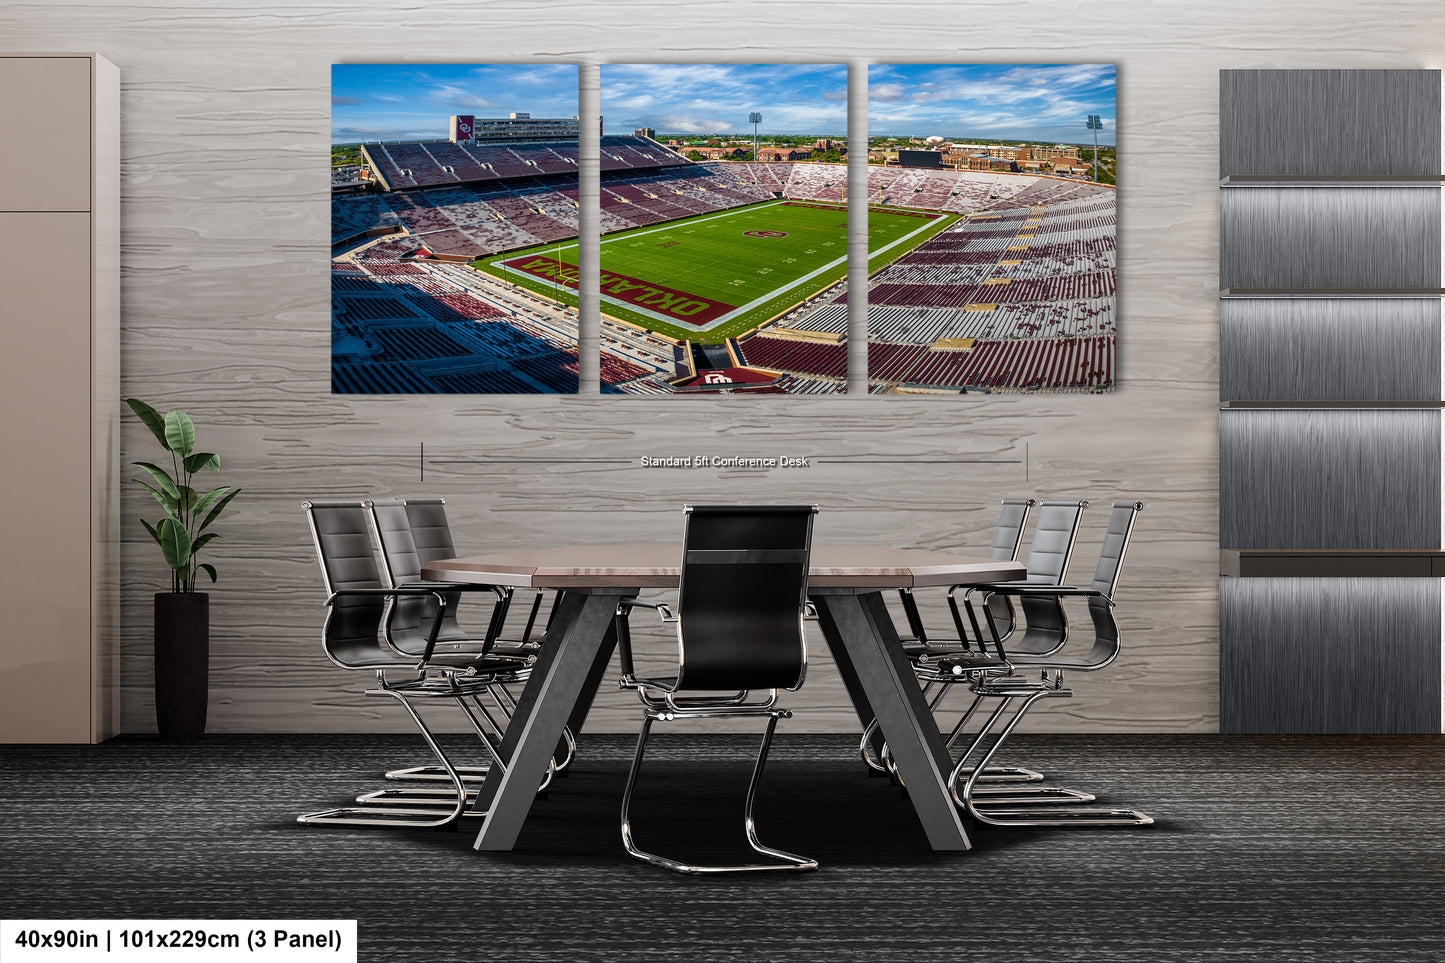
x,y
846,582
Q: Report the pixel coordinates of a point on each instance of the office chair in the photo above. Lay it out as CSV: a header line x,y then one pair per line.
x,y
1050,551
1008,536
993,676
353,639
741,604
412,532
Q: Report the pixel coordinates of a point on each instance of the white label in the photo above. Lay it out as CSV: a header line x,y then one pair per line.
x,y
185,941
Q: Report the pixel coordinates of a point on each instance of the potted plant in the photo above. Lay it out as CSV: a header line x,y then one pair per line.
x,y
182,615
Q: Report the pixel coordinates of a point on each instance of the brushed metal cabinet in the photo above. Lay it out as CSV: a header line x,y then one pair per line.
x,y
1300,122
1358,237
1330,240
1329,655
60,388
1321,349
1342,479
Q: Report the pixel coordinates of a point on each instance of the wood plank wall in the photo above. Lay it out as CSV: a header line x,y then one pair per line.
x,y
225,220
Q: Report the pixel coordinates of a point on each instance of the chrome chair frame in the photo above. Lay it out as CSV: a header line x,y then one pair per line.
x,y
1008,536
1050,554
1000,682
393,530
355,641
664,700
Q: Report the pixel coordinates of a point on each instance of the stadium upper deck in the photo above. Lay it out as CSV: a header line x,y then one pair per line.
x,y
442,162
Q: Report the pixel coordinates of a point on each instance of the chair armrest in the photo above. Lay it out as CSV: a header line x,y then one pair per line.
x,y
417,590
409,591
497,590
1055,591
663,611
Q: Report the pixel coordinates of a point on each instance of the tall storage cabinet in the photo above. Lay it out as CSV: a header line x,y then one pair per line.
x,y
60,391
1330,387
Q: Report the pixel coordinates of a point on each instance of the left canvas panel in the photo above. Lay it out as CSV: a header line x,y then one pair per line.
x,y
440,173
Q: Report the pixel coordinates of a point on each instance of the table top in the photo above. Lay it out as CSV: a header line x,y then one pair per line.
x,y
658,566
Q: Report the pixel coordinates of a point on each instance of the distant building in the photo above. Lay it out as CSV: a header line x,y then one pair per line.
x,y
648,132
988,162
782,154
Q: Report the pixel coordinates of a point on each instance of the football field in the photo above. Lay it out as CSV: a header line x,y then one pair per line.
x,y
716,275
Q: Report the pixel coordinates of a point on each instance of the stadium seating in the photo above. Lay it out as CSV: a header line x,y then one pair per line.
x,y
804,357
1028,276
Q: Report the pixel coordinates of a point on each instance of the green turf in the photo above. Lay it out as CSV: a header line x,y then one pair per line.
x,y
711,256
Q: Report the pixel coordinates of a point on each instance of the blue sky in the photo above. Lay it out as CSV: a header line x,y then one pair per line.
x,y
415,101
717,98
1040,102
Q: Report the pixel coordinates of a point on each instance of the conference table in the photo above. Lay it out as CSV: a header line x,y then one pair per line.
x,y
845,582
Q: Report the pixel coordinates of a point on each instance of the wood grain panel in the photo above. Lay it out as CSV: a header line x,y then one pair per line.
x,y
225,231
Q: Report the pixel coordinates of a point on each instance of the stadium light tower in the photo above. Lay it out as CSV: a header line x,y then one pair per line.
x,y
755,119
1096,125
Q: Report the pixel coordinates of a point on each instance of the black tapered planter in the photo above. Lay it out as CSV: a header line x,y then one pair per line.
x,y
183,648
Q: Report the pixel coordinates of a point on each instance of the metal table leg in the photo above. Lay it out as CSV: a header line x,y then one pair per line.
x,y
863,641
567,661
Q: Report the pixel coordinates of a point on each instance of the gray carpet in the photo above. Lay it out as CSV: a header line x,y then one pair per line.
x,y
1266,848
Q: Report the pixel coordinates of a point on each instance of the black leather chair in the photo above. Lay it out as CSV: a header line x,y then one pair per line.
x,y
1050,551
412,532
357,602
996,676
741,604
1008,536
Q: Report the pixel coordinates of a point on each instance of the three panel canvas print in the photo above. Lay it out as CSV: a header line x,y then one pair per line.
x,y
722,222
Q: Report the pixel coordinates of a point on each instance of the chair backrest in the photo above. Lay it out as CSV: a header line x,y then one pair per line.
x,y
411,533
1116,544
1046,624
399,554
741,596
1008,535
342,536
1053,543
429,529
1106,579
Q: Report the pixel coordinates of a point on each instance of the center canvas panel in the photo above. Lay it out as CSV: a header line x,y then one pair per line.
x,y
724,229
438,172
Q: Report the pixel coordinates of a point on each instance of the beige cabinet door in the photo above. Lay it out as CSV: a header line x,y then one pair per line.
x,y
45,393
46,129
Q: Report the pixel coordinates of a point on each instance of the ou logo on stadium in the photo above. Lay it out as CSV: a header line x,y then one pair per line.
x,y
765,233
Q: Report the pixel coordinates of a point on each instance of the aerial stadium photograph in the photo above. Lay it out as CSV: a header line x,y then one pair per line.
x,y
719,257
1010,286
437,172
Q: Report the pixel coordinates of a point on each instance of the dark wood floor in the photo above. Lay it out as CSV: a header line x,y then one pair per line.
x,y
1266,848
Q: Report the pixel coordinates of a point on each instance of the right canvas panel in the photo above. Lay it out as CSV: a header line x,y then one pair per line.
x,y
991,228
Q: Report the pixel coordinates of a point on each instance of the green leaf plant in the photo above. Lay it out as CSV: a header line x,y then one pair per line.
x,y
181,534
